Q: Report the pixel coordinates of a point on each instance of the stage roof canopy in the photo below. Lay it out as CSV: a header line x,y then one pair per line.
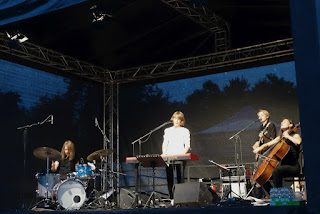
x,y
113,38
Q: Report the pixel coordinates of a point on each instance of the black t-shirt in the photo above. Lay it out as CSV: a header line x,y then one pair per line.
x,y
66,166
292,156
268,130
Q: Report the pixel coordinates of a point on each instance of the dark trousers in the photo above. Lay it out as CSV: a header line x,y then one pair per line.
x,y
284,171
279,173
179,168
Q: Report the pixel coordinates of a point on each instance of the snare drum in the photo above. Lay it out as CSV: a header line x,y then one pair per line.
x,y
83,171
45,180
70,194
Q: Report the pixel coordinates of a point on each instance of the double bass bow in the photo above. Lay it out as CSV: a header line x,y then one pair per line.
x,y
278,152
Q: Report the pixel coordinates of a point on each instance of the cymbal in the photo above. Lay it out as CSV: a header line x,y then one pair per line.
x,y
98,154
44,152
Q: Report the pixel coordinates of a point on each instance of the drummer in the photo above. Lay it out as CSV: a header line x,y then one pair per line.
x,y
67,162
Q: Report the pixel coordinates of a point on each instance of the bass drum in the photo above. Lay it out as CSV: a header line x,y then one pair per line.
x,y
70,194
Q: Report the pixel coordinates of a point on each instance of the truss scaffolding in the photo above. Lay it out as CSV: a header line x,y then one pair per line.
x,y
111,126
52,60
266,51
64,64
206,18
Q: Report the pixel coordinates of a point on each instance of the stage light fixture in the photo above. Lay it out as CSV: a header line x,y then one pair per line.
x,y
98,15
17,37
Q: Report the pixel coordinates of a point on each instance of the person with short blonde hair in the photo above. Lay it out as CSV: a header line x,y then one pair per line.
x,y
265,112
178,115
266,132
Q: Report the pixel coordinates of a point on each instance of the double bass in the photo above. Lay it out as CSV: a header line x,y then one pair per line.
x,y
278,152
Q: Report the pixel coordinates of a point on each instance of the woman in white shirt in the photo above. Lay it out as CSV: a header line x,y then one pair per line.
x,y
176,141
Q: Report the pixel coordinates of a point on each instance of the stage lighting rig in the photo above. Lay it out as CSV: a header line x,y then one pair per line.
x,y
98,14
18,37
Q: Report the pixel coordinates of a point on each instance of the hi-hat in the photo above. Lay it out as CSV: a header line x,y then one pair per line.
x,y
97,155
44,152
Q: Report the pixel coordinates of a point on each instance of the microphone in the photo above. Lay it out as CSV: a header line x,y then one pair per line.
x,y
95,122
51,120
257,120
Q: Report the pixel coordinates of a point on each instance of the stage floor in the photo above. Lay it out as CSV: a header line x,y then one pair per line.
x,y
230,206
230,209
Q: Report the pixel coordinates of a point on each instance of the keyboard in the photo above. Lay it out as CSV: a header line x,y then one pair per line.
x,y
188,156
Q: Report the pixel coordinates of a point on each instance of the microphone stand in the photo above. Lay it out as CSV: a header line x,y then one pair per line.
x,y
237,138
243,129
146,135
138,166
24,140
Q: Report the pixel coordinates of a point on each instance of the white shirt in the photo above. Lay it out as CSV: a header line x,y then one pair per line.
x,y
175,140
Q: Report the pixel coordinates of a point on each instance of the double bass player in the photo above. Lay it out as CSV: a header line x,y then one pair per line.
x,y
289,165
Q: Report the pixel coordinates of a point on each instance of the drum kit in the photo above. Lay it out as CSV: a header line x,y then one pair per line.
x,y
68,194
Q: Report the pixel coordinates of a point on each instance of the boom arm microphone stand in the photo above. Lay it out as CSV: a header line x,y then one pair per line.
x,y
237,138
243,129
147,135
138,171
25,134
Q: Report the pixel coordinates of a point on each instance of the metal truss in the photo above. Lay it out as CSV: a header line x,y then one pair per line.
x,y
53,60
62,64
111,126
266,51
206,18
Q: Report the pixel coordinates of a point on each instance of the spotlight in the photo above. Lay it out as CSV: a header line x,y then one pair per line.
x,y
98,15
17,37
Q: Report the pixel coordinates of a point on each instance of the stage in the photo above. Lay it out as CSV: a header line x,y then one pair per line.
x,y
225,209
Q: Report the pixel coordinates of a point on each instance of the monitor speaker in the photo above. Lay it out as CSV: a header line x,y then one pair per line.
x,y
128,199
194,194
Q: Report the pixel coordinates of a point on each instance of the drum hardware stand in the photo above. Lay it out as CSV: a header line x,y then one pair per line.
x,y
105,143
109,193
101,201
25,133
101,197
46,201
141,140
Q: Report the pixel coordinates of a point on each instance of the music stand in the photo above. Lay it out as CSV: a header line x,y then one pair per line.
x,y
151,161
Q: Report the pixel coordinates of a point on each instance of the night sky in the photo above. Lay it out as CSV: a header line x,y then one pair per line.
x,y
180,89
31,84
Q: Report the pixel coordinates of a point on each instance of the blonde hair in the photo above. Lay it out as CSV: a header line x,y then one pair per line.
x,y
265,112
71,149
179,115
